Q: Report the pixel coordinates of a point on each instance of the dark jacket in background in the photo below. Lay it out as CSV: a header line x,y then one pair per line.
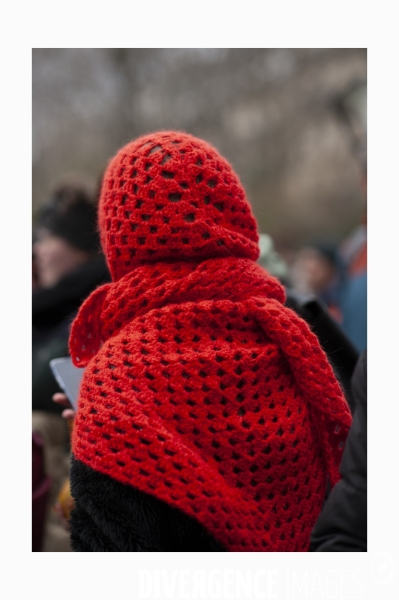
x,y
53,310
341,353
342,525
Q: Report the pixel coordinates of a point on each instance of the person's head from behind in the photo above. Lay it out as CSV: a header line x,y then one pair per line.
x,y
169,196
314,269
66,233
190,307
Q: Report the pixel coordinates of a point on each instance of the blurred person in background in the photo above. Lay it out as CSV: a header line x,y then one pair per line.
x,y
67,267
342,524
271,260
310,287
315,270
353,253
351,109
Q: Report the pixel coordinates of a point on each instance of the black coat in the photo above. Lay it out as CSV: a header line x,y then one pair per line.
x,y
112,517
341,353
342,525
53,311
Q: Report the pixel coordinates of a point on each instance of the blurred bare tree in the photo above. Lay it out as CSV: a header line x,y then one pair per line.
x,y
269,111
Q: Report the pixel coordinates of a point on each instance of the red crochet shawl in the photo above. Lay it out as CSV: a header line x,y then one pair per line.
x,y
201,388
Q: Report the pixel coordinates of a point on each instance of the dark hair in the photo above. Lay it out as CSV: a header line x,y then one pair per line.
x,y
71,213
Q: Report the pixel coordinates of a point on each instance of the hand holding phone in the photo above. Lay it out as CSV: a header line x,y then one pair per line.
x,y
68,413
68,377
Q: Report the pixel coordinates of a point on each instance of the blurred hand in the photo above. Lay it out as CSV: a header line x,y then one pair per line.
x,y
64,504
62,400
57,508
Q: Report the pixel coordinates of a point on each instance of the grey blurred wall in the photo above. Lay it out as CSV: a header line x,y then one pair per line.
x,y
269,111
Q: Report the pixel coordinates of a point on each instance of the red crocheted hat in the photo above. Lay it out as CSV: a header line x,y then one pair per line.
x,y
169,195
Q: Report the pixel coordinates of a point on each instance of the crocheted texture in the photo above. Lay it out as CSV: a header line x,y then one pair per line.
x,y
202,389
170,195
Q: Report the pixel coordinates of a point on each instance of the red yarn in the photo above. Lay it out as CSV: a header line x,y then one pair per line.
x,y
207,392
170,195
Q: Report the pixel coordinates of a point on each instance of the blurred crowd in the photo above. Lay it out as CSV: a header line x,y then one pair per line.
x,y
336,273
66,267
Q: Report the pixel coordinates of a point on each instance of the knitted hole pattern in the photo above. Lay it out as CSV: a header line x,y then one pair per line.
x,y
211,395
170,195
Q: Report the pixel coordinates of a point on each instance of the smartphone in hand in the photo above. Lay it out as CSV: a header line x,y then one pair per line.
x,y
68,378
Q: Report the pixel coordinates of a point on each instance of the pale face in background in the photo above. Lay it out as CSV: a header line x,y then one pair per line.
x,y
311,272
55,258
